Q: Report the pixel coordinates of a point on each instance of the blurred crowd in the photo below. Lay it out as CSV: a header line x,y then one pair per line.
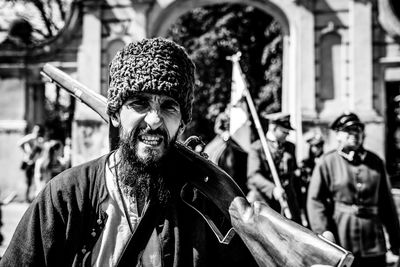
x,y
43,158
343,193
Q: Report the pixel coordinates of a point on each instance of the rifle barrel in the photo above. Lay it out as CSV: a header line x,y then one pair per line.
x,y
78,90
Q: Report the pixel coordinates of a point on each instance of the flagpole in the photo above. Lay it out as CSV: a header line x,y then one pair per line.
x,y
282,201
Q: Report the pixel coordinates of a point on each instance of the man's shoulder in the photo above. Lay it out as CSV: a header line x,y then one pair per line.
x,y
88,166
80,175
373,156
256,145
330,155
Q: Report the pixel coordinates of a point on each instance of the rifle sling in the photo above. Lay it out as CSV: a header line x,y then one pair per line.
x,y
141,236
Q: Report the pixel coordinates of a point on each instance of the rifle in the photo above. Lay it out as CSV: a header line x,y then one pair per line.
x,y
272,239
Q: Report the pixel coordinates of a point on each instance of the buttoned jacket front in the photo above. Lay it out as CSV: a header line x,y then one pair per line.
x,y
354,202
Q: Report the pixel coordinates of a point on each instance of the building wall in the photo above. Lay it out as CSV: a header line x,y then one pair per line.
x,y
349,46
22,101
12,126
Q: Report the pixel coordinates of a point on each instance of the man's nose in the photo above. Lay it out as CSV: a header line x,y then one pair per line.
x,y
153,119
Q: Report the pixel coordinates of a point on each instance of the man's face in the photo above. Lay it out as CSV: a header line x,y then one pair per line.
x,y
151,122
317,149
351,137
280,133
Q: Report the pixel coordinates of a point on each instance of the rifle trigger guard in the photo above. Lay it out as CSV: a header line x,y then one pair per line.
x,y
223,239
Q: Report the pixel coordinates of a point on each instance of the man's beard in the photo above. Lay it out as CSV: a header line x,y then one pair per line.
x,y
143,177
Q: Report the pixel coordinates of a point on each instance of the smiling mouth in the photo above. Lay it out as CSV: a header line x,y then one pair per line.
x,y
151,140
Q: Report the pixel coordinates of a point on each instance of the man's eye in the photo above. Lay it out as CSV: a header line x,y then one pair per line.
x,y
138,105
171,107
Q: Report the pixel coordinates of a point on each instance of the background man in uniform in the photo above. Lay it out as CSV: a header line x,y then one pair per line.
x,y
349,195
87,214
259,179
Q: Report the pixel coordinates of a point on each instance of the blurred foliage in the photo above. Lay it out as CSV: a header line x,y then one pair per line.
x,y
30,22
212,33
47,17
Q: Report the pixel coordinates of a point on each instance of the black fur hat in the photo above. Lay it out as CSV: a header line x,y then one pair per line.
x,y
157,66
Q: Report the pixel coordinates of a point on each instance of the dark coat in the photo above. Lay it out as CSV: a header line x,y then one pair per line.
x,y
230,157
62,225
354,202
260,181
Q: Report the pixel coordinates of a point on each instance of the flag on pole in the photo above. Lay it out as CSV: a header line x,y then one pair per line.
x,y
239,126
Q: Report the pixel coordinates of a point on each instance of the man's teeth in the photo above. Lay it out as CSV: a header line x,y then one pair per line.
x,y
151,139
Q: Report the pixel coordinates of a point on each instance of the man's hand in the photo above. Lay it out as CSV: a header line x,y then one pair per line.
x,y
329,235
279,193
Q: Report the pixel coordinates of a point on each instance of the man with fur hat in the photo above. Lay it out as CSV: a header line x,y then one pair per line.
x,y
349,195
125,207
259,178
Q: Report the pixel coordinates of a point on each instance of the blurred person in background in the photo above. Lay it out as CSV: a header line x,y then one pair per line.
x,y
31,145
349,195
49,164
226,153
259,179
316,143
315,150
67,153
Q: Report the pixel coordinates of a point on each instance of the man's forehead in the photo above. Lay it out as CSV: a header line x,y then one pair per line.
x,y
151,96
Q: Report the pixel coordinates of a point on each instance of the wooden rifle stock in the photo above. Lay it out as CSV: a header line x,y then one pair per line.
x,y
272,239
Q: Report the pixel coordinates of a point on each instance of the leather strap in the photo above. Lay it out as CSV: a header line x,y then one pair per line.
x,y
356,209
141,236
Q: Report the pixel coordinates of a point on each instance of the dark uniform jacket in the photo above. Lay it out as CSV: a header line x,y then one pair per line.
x,y
260,181
354,202
62,225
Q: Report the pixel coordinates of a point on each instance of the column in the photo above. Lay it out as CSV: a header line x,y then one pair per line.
x,y
89,133
361,75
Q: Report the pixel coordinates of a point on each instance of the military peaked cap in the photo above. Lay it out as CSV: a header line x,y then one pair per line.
x,y
280,119
346,120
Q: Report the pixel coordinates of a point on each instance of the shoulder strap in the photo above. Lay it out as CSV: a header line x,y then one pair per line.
x,y
138,241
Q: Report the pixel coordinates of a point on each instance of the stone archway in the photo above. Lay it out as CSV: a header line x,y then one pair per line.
x,y
298,84
163,16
